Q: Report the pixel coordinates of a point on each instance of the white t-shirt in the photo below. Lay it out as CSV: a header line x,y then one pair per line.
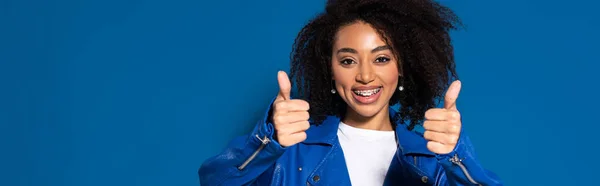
x,y
368,153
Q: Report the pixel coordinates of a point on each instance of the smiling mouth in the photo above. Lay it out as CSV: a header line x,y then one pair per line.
x,y
367,93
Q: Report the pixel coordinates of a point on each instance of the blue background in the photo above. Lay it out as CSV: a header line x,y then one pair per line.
x,y
140,92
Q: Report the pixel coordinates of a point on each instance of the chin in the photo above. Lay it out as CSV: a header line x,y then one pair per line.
x,y
368,111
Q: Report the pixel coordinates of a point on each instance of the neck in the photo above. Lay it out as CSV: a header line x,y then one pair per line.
x,y
379,121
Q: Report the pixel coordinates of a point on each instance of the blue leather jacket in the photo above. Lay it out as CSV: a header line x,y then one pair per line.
x,y
257,159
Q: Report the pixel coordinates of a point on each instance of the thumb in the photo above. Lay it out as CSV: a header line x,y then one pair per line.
x,y
284,86
452,95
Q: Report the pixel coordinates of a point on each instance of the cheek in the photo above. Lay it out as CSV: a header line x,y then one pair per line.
x,y
343,83
393,80
344,78
390,77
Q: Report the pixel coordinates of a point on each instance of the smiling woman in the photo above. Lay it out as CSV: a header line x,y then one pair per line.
x,y
352,63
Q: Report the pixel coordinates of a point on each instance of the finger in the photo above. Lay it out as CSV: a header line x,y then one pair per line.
x,y
441,126
297,137
437,114
284,86
438,148
439,137
290,117
297,117
452,95
292,128
299,126
435,126
292,105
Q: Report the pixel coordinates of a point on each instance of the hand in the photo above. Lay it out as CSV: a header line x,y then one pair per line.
x,y
443,125
290,116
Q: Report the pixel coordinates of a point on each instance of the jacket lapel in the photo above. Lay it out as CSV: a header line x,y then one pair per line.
x,y
325,133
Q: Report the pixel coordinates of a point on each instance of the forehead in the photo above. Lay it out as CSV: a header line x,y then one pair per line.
x,y
358,35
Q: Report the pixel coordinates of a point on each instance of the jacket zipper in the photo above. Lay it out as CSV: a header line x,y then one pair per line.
x,y
458,161
264,141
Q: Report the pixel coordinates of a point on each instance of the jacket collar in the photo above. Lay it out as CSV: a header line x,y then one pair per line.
x,y
409,142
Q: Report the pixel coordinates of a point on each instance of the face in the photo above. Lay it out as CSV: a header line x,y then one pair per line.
x,y
365,70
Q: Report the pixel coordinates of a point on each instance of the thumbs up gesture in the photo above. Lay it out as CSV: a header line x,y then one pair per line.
x,y
290,116
443,125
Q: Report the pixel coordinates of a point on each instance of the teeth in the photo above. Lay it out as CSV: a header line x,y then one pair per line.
x,y
367,93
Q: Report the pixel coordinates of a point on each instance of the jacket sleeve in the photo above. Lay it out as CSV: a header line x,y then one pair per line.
x,y
247,160
460,167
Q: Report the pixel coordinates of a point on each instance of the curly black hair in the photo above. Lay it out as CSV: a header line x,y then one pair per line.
x,y
417,32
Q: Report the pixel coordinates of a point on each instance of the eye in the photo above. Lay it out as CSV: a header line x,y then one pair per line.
x,y
347,62
382,59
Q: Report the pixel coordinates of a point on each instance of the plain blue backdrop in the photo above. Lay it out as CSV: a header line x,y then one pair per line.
x,y
141,92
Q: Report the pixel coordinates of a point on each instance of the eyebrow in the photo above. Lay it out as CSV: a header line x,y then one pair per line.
x,y
376,49
381,48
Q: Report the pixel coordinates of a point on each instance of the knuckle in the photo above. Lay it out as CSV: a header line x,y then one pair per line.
x,y
302,136
281,131
432,147
428,114
282,105
277,129
278,119
282,140
427,124
277,106
449,139
454,128
298,104
435,113
430,125
454,115
306,125
427,135
306,115
305,104
454,139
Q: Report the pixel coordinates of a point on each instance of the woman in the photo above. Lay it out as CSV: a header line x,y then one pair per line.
x,y
353,64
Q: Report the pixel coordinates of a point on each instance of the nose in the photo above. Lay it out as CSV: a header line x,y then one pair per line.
x,y
365,74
